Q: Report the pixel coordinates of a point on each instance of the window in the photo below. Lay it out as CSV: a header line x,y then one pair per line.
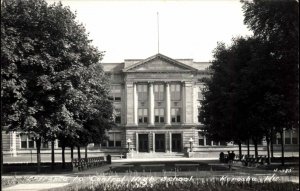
x,y
175,92
142,90
159,92
208,141
117,116
45,145
175,115
111,140
201,139
287,139
159,115
199,110
278,138
27,142
200,93
118,139
294,137
114,140
143,115
24,141
115,94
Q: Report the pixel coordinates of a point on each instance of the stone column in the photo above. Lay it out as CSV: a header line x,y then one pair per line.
x,y
135,104
129,104
13,145
168,104
153,142
183,98
151,104
188,103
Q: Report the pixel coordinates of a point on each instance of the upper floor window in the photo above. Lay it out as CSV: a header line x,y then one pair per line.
x,y
159,115
143,115
199,110
175,91
115,94
175,115
159,92
117,116
200,93
142,90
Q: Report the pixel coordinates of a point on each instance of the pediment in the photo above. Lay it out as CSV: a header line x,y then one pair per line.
x,y
158,63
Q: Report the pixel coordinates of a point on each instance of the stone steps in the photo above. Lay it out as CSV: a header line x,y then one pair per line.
x,y
158,155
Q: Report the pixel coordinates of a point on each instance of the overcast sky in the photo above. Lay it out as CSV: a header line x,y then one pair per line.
x,y
187,29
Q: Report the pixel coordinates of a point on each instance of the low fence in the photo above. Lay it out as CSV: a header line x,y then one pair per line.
x,y
86,163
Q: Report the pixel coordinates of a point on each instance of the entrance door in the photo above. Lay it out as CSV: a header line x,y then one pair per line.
x,y
159,142
176,142
143,143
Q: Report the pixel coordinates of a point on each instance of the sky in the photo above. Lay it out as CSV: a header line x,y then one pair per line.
x,y
181,29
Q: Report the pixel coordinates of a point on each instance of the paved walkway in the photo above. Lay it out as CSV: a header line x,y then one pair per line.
x,y
34,186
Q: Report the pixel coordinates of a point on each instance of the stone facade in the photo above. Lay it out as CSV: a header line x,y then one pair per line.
x,y
156,103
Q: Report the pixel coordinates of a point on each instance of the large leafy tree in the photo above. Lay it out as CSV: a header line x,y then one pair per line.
x,y
53,84
277,24
223,109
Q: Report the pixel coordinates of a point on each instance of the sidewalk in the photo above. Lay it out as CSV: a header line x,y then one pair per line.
x,y
34,187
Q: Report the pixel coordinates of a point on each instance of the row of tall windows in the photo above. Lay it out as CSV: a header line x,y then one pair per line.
x,y
27,142
114,140
159,103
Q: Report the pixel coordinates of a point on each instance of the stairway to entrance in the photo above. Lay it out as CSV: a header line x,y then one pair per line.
x,y
145,155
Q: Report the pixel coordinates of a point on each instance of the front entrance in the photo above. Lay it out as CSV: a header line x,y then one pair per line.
x,y
159,142
176,142
143,143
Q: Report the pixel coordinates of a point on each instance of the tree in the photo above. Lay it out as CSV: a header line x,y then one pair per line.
x,y
277,23
221,114
44,53
240,101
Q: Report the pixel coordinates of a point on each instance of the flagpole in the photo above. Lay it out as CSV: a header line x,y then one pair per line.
x,y
157,32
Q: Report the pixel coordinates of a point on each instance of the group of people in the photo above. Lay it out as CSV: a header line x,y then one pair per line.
x,y
229,157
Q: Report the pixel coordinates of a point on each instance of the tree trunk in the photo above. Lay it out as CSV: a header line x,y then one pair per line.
x,y
240,150
86,155
271,141
78,152
282,148
38,154
63,156
248,148
255,148
72,153
268,150
52,156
